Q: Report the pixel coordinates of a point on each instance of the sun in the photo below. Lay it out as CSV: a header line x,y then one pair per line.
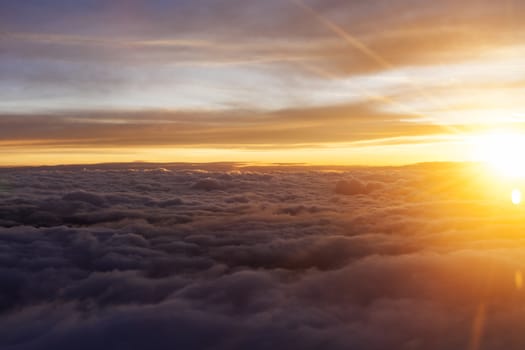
x,y
516,196
502,150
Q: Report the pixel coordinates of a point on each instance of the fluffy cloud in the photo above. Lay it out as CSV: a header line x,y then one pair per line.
x,y
208,184
354,186
134,256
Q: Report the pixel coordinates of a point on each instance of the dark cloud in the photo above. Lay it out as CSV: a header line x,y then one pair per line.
x,y
132,256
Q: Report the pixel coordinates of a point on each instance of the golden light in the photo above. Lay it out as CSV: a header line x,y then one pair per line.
x,y
501,150
516,196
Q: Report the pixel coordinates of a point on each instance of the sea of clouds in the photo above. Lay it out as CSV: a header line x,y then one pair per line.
x,y
223,256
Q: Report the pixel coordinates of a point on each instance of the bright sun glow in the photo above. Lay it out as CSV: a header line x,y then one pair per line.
x,y
516,196
503,151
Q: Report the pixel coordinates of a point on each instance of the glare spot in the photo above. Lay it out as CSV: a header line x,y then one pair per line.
x,y
516,196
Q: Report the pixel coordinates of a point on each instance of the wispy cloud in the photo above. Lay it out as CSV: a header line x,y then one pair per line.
x,y
232,128
258,70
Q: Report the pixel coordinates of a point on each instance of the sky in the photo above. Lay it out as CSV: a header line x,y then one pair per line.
x,y
302,81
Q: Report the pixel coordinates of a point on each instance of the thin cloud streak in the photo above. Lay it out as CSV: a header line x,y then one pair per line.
x,y
282,128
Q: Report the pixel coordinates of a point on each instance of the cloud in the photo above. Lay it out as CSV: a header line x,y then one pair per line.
x,y
131,254
179,76
208,184
165,56
146,33
85,197
354,186
234,128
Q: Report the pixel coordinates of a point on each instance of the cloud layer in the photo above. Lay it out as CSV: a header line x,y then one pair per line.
x,y
224,256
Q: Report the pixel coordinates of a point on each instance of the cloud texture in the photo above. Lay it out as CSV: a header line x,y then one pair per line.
x,y
223,256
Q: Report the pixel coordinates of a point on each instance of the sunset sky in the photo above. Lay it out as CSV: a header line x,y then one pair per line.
x,y
332,81
262,174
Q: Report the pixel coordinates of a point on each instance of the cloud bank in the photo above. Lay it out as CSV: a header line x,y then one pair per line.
x,y
224,256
